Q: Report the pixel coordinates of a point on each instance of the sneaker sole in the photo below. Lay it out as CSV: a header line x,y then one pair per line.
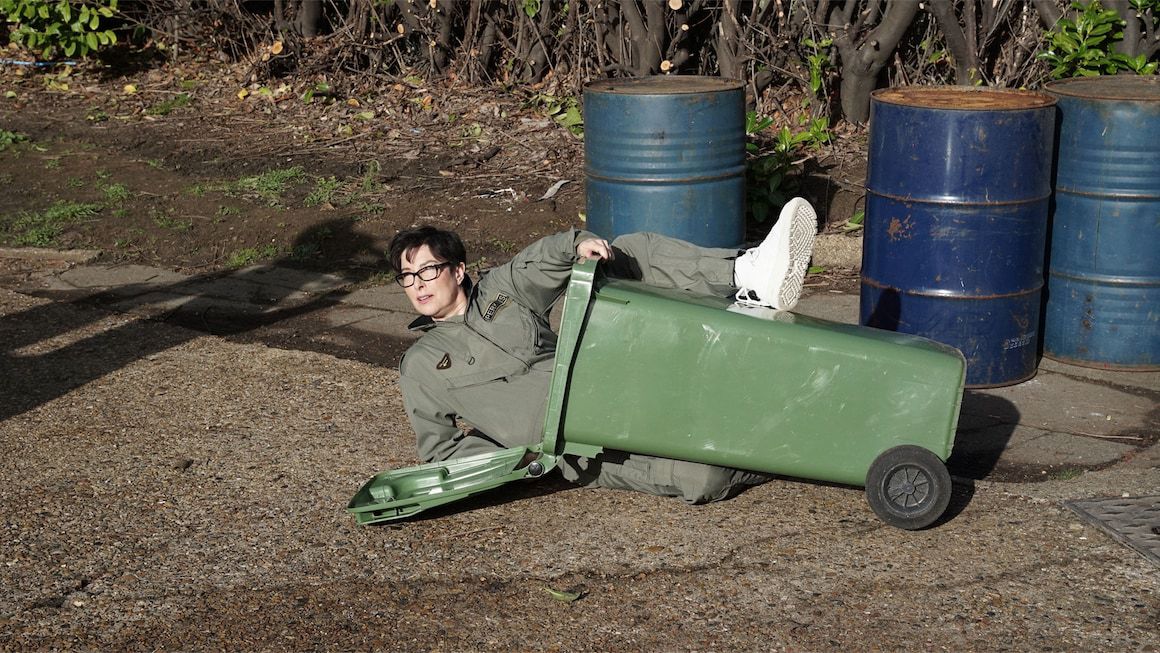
x,y
803,227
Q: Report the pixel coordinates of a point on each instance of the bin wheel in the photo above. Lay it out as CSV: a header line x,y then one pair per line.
x,y
908,487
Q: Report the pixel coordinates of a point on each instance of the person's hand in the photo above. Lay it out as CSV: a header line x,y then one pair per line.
x,y
596,248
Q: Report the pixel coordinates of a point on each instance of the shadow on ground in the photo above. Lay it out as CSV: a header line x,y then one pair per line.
x,y
43,358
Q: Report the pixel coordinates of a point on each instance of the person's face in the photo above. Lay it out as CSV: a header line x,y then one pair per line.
x,y
441,297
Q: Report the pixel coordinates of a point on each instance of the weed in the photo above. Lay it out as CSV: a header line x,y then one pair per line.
x,y
116,193
768,185
1066,474
304,252
819,61
227,211
168,106
565,111
268,185
505,246
103,174
75,182
855,222
120,213
250,255
10,138
41,229
166,221
153,163
324,191
52,164
197,190
370,177
96,114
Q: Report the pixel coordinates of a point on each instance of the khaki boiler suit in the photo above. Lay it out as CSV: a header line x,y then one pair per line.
x,y
492,366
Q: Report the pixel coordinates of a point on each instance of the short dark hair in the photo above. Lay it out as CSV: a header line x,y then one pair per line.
x,y
444,244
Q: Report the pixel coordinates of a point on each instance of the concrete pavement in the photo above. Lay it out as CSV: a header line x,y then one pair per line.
x,y
1094,431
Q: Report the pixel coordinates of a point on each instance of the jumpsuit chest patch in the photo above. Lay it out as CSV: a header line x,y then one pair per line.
x,y
444,363
500,302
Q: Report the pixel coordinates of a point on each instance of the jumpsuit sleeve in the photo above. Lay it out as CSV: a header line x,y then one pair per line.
x,y
435,430
539,273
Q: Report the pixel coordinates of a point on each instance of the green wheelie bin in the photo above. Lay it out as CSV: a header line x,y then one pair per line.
x,y
701,379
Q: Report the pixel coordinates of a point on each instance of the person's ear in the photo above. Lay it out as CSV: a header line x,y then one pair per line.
x,y
460,270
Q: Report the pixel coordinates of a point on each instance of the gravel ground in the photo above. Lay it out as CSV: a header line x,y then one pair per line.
x,y
166,490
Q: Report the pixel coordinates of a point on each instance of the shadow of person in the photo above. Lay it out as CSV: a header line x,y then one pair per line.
x,y
51,349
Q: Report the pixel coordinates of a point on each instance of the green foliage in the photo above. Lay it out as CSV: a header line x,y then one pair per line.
x,y
116,193
818,61
324,191
250,255
167,107
10,138
269,185
855,222
1083,47
532,7
40,229
769,183
71,27
565,111
167,221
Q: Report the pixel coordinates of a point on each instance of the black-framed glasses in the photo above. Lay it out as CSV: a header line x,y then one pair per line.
x,y
426,273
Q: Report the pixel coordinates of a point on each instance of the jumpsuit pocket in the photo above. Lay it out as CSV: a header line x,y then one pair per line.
x,y
492,374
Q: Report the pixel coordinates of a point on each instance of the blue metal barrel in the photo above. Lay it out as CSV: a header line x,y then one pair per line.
x,y
958,184
666,154
1103,284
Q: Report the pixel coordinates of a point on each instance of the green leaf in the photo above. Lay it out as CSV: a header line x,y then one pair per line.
x,y
566,597
91,41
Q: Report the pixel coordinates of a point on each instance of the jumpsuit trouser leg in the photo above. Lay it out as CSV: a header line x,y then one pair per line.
x,y
668,263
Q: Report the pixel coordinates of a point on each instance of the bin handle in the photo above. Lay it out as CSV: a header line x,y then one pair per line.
x,y
576,300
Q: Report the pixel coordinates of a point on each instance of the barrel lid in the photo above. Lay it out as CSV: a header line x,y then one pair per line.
x,y
963,98
665,85
1108,87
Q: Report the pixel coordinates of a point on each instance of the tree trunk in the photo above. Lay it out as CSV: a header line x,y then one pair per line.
x,y
962,51
862,63
309,17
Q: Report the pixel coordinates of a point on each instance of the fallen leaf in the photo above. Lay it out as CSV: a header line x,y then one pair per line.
x,y
554,189
276,48
130,89
566,597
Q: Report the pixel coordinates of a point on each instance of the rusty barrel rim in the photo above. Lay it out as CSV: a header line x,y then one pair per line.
x,y
664,85
1123,88
963,98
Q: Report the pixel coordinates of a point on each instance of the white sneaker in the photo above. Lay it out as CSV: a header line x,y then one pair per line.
x,y
772,273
